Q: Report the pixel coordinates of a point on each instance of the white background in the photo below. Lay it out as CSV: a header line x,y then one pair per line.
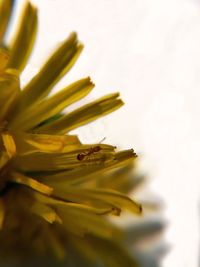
x,y
149,50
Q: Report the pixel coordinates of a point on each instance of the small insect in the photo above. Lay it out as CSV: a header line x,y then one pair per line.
x,y
89,152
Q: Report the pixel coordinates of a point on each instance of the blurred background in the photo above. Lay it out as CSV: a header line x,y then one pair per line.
x,y
149,50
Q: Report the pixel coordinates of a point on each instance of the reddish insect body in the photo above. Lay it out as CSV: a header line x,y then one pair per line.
x,y
86,154
90,151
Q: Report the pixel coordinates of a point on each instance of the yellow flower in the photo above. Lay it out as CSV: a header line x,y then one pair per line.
x,y
57,195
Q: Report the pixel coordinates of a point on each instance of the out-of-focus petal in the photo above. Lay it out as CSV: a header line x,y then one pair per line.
x,y
23,42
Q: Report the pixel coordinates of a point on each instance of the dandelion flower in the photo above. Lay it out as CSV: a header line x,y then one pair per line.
x,y
57,195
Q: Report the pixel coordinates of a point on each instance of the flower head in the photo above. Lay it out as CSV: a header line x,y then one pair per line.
x,y
57,195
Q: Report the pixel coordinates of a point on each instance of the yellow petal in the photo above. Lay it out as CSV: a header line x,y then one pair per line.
x,y
46,162
28,143
22,44
85,221
54,69
30,182
53,105
83,115
5,13
98,198
80,219
9,93
45,212
9,144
